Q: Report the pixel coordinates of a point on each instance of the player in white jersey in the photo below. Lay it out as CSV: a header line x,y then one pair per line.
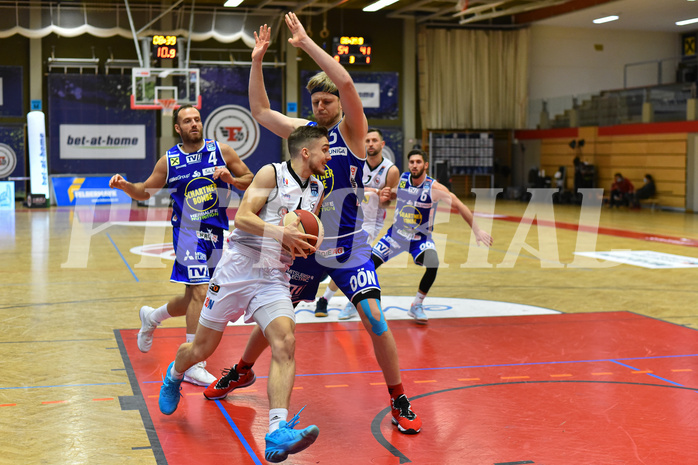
x,y
379,173
347,259
251,279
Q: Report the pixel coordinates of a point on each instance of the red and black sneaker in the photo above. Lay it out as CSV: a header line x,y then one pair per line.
x,y
403,417
230,380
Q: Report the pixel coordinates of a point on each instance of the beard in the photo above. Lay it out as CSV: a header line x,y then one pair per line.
x,y
418,174
192,139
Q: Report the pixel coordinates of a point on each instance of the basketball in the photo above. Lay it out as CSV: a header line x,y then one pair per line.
x,y
310,224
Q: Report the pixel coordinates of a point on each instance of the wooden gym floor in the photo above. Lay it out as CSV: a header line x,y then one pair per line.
x,y
611,379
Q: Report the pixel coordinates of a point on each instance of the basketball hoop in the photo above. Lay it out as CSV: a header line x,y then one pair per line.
x,y
168,105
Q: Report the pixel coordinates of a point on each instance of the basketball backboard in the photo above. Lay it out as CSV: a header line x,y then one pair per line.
x,y
164,88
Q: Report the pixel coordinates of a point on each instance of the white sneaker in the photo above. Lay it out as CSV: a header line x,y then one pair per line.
x,y
198,375
348,312
416,311
145,335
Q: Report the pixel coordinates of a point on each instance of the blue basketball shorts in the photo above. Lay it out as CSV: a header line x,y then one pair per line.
x,y
197,253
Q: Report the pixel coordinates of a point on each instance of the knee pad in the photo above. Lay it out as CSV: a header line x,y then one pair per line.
x,y
377,326
429,258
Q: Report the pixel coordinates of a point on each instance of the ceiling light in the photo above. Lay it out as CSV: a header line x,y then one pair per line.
x,y
606,19
379,4
232,3
687,21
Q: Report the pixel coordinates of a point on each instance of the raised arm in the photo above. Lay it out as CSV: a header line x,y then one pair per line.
x,y
235,171
354,124
143,190
276,122
441,192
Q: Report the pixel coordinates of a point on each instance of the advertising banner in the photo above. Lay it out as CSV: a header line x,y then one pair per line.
x,y
225,111
38,161
93,129
72,190
11,91
102,141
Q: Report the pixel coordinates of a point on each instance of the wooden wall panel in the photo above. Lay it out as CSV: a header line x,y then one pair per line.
x,y
661,155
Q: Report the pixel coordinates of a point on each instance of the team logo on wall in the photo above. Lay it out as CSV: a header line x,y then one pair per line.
x,y
233,125
8,160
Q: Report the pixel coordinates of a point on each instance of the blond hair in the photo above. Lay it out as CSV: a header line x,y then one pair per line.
x,y
322,83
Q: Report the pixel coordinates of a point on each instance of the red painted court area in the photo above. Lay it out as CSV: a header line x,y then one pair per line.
x,y
599,388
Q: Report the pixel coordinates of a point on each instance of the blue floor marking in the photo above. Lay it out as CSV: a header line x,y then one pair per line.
x,y
238,433
649,374
497,366
122,258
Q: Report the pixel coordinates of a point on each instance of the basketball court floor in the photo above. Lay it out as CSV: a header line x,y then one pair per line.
x,y
570,341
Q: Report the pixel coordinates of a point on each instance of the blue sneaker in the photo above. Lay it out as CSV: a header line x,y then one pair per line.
x,y
286,440
417,312
348,312
169,393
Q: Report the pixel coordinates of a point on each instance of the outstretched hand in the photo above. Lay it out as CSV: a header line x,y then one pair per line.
x,y
117,182
297,29
482,236
261,42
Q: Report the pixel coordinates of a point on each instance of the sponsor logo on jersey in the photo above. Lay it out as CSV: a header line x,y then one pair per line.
x,y
208,171
327,180
335,252
211,146
214,288
314,189
174,161
339,151
177,178
194,158
197,272
410,216
207,236
403,184
298,276
362,279
235,126
208,303
201,194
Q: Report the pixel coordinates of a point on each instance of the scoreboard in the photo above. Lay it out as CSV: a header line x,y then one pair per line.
x,y
351,50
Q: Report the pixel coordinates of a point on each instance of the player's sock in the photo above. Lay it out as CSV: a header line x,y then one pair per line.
x,y
329,293
276,416
419,298
396,391
174,374
243,367
159,315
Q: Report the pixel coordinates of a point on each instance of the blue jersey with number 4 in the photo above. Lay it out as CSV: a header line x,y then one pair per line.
x,y
198,199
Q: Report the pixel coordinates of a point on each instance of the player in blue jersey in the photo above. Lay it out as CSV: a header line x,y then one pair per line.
x,y
417,197
198,174
345,254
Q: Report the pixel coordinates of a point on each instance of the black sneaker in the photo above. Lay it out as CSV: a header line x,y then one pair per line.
x,y
321,308
230,380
